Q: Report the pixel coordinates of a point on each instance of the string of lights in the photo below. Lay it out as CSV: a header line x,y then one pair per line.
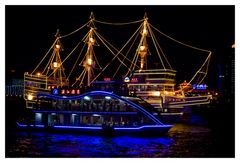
x,y
45,55
115,56
154,42
71,33
66,58
126,54
76,61
190,46
148,27
123,55
154,38
127,23
111,50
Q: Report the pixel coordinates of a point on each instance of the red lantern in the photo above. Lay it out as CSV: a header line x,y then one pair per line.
x,y
73,92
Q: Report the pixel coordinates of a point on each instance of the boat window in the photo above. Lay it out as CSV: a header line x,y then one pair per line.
x,y
142,103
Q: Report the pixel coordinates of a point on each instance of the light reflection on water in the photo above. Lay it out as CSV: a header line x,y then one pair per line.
x,y
39,144
181,141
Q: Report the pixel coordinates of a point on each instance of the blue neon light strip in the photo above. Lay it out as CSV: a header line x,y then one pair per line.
x,y
100,128
143,111
115,128
40,126
141,127
77,127
106,94
83,113
23,125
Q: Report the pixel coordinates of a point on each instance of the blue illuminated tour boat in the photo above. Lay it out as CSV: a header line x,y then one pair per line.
x,y
97,112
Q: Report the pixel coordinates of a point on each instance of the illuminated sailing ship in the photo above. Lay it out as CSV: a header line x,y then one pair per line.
x,y
155,85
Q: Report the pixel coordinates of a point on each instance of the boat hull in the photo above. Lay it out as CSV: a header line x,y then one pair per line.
x,y
148,130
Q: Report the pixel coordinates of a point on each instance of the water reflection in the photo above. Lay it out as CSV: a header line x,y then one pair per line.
x,y
181,141
38,144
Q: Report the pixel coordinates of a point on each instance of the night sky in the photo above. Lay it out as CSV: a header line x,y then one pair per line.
x,y
30,32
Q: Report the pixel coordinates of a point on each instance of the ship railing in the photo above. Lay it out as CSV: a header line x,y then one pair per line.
x,y
14,90
34,84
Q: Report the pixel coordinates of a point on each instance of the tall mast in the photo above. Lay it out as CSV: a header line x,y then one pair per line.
x,y
89,63
142,51
56,63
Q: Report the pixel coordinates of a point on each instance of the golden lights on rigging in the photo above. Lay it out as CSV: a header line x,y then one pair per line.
x,y
142,48
91,40
89,61
143,43
57,46
56,65
145,31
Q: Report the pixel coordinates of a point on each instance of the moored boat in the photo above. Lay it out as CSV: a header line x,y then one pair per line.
x,y
97,112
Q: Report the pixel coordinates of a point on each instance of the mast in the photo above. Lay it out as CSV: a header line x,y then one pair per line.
x,y
56,63
89,63
142,51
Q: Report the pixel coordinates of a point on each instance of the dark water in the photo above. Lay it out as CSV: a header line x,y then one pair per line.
x,y
182,141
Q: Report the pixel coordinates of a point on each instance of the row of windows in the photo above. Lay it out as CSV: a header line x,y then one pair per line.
x,y
145,76
83,120
86,105
151,88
